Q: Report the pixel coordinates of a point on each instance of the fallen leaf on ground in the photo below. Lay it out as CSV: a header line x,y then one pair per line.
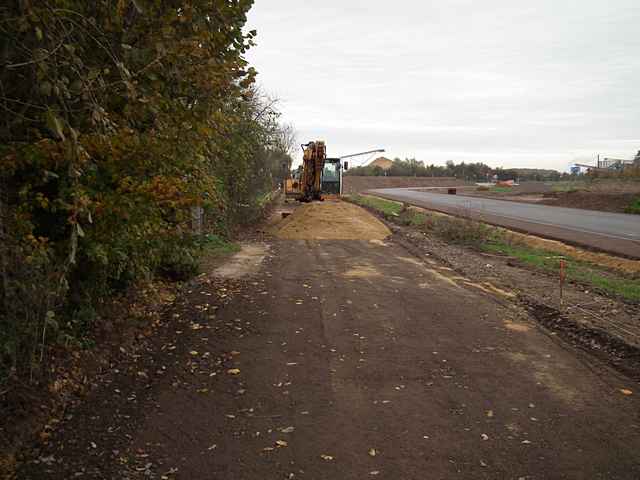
x,y
233,371
626,391
287,430
326,457
281,443
484,436
372,452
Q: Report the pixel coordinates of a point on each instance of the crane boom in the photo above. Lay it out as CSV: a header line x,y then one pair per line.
x,y
379,150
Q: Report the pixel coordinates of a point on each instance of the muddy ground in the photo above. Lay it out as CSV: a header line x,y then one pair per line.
x,y
345,359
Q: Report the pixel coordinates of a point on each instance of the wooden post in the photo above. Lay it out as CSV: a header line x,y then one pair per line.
x,y
563,273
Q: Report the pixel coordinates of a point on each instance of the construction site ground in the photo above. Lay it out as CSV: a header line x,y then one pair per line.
x,y
317,352
604,195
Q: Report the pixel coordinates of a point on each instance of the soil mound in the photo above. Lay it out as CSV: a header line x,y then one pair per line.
x,y
331,220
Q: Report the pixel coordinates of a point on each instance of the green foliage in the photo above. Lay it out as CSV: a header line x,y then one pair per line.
x,y
387,207
119,118
216,245
634,207
459,230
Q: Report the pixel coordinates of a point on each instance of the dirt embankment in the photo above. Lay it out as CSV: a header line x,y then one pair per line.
x,y
604,202
355,184
604,196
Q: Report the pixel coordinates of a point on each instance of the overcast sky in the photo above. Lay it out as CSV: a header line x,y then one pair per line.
x,y
511,83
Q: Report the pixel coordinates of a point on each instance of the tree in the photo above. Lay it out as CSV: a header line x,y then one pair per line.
x,y
119,117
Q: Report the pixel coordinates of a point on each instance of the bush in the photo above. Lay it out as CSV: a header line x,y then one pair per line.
x,y
634,207
179,263
130,117
459,230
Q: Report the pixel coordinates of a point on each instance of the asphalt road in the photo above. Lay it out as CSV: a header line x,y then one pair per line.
x,y
613,232
350,359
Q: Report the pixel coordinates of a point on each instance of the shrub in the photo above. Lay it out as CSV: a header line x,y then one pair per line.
x,y
130,114
634,207
459,230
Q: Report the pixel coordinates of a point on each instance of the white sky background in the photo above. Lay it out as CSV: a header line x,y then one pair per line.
x,y
513,83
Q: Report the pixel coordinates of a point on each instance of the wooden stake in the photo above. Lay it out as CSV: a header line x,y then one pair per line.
x,y
563,275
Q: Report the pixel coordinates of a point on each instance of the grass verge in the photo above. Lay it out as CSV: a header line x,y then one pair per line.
x,y
386,207
216,246
577,271
494,240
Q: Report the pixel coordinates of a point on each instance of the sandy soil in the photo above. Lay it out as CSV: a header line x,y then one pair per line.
x,y
331,220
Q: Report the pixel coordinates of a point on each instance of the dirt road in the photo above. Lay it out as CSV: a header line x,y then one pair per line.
x,y
349,359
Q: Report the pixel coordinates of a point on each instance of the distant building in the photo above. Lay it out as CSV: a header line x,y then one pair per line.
x,y
614,163
382,162
636,161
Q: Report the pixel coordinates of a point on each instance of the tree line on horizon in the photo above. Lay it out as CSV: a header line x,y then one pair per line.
x,y
474,171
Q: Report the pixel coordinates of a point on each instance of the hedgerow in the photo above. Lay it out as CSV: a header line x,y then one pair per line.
x,y
120,119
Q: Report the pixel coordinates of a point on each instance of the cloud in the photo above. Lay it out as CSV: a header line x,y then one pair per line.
x,y
507,82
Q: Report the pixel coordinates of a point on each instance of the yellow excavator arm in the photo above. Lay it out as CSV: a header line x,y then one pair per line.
x,y
313,159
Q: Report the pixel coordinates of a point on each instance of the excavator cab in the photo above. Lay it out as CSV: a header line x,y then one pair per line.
x,y
331,177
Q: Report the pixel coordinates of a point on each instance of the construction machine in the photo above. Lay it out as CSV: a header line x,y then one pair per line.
x,y
318,174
